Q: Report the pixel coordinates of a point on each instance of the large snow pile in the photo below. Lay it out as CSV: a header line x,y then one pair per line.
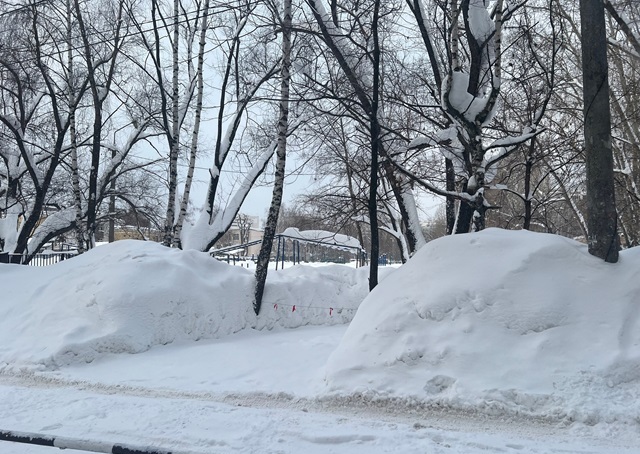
x,y
501,321
124,297
131,295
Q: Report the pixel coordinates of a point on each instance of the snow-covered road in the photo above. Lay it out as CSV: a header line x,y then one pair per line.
x,y
239,395
271,424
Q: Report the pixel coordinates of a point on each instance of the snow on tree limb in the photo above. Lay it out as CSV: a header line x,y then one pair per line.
x,y
431,188
623,22
53,225
242,104
507,145
204,234
413,218
623,48
338,240
121,153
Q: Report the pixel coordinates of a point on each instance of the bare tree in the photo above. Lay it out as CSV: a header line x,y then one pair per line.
x,y
262,265
31,98
216,218
244,224
364,80
49,88
624,58
202,24
100,64
471,87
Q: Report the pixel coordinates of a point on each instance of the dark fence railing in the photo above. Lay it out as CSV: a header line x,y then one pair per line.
x,y
44,259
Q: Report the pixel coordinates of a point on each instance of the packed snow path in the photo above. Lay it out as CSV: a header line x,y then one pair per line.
x,y
167,398
276,425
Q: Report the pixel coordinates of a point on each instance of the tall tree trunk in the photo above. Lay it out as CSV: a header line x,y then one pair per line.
x,y
262,265
601,205
97,98
92,203
75,177
99,92
528,169
170,217
331,37
112,206
450,201
10,223
196,128
375,151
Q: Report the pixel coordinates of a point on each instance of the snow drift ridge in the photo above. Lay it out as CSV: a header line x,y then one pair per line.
x,y
506,318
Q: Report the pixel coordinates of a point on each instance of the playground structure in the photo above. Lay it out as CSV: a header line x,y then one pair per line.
x,y
295,238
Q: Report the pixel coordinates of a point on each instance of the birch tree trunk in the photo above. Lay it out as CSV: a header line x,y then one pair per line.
x,y
92,203
468,98
196,128
175,133
75,177
213,223
262,265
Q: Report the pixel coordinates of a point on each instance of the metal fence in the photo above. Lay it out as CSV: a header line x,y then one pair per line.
x,y
43,259
229,253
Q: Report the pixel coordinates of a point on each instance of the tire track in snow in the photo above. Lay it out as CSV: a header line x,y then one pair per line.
x,y
359,406
354,407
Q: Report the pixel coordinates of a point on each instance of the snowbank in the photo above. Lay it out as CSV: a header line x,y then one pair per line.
x,y
131,295
306,294
501,321
124,297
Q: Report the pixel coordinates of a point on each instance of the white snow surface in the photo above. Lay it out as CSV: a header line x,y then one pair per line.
x,y
502,322
480,22
130,295
489,342
464,102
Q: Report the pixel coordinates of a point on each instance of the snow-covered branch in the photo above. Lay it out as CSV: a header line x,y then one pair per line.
x,y
204,234
623,22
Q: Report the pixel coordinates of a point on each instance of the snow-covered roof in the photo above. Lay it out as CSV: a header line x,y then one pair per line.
x,y
329,239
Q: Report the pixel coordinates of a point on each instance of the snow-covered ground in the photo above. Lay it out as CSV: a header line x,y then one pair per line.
x,y
483,343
